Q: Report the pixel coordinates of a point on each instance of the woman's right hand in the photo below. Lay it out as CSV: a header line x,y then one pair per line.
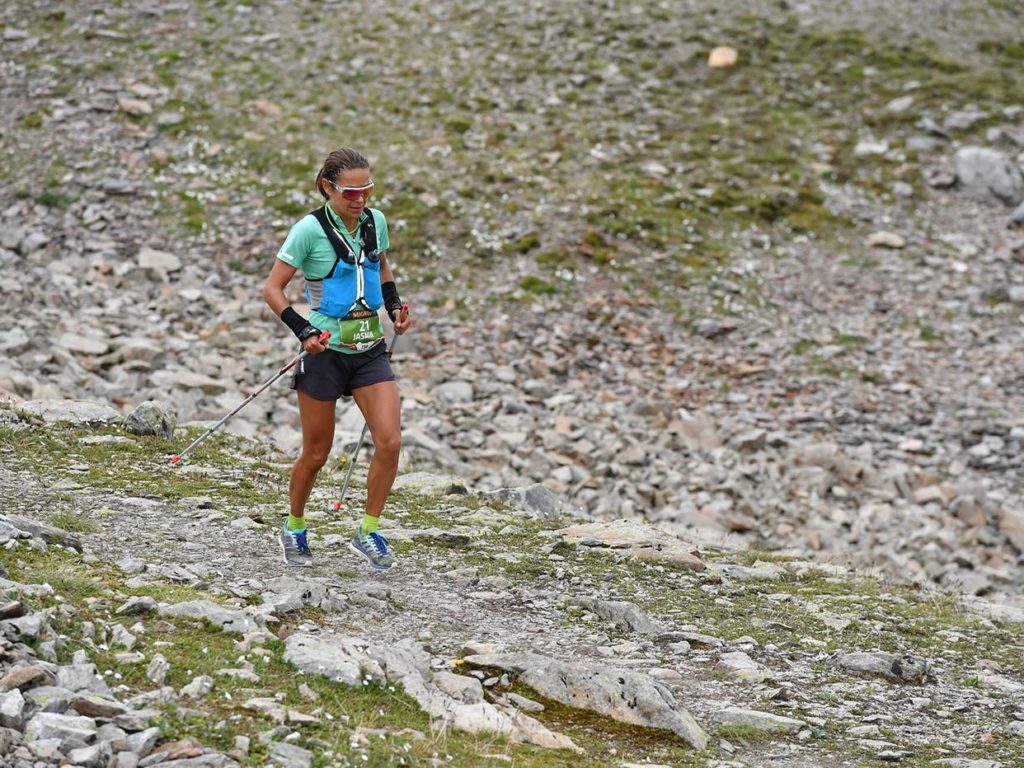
x,y
314,345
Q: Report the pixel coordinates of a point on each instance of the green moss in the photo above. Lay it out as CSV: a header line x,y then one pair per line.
x,y
142,466
76,522
536,285
744,735
525,244
32,120
53,199
1008,53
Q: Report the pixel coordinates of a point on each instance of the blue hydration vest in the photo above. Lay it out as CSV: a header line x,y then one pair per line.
x,y
354,281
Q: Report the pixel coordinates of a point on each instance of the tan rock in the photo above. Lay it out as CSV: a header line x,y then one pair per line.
x,y
1011,523
636,539
723,56
264,107
180,750
25,677
886,240
136,107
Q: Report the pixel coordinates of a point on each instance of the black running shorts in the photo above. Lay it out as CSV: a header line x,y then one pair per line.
x,y
329,375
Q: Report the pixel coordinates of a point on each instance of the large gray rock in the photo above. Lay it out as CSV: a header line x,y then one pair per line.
x,y
350,660
989,175
12,709
537,500
151,418
75,412
744,668
289,755
30,627
143,742
888,665
454,392
763,721
72,731
212,760
623,695
635,539
198,688
461,687
82,677
160,262
1017,217
337,659
430,484
50,698
93,756
622,614
224,618
48,533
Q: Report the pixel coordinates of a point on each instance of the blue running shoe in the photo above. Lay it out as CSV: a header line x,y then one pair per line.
x,y
374,548
295,548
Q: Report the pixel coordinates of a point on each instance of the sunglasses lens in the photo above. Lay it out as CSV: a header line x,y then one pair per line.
x,y
353,193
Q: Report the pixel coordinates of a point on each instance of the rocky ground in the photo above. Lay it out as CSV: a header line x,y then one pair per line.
x,y
775,306
163,628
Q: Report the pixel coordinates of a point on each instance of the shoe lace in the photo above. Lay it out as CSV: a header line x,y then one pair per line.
x,y
300,542
379,543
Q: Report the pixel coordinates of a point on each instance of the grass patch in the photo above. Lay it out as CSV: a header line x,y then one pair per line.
x,y
74,522
536,285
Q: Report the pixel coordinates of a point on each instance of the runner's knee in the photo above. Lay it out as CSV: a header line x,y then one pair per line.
x,y
315,455
388,445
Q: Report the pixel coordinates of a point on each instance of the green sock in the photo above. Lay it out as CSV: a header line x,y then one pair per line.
x,y
296,523
370,524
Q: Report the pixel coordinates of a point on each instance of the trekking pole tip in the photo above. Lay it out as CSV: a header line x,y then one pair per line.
x,y
175,459
335,505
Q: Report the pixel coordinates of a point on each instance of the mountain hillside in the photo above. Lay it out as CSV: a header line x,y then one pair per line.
x,y
155,622
739,283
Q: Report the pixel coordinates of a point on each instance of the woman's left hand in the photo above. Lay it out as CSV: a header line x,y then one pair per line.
x,y
403,321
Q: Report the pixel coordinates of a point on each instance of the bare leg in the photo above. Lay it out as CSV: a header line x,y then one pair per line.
x,y
382,410
317,418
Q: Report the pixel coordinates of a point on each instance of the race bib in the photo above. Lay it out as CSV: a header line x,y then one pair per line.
x,y
360,330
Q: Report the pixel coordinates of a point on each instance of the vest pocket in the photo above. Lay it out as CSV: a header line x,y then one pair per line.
x,y
340,290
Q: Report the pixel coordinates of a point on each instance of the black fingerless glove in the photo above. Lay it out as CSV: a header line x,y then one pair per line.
x,y
300,326
392,304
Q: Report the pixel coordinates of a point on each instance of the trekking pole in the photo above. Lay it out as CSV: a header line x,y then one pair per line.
x,y
362,436
323,338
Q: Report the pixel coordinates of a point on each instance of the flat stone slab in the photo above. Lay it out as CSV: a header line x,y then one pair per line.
x,y
338,659
430,484
227,619
350,660
636,539
889,665
78,412
763,721
48,533
623,695
621,613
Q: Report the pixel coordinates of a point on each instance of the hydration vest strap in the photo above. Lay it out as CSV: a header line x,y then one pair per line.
x,y
342,250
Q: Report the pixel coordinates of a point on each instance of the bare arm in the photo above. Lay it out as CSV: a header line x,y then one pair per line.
x,y
273,289
273,294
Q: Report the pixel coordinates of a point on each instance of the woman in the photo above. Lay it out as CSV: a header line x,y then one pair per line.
x,y
340,250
